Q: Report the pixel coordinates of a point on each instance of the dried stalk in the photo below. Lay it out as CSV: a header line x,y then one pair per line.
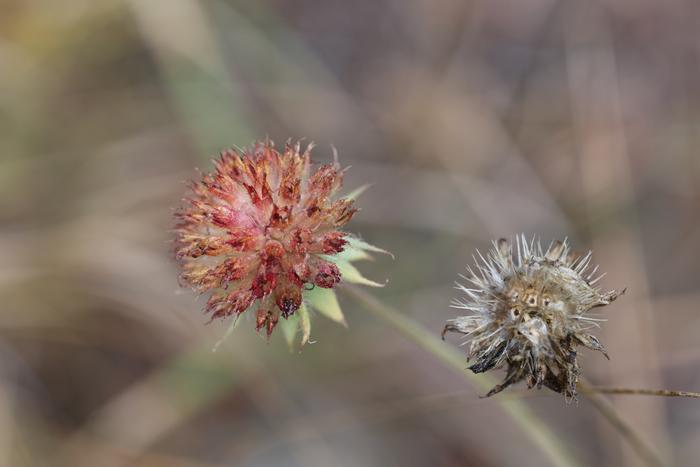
x,y
548,442
644,392
539,433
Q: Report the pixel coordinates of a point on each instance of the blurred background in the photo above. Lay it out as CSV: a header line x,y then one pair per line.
x,y
472,120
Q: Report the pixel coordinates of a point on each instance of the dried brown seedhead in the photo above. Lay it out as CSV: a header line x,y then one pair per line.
x,y
530,310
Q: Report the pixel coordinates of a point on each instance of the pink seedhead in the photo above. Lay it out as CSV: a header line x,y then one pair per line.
x,y
262,227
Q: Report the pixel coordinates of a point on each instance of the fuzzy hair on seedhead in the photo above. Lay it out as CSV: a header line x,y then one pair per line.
x,y
529,310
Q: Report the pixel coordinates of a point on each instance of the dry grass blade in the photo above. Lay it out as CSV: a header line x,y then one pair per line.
x,y
548,442
535,428
644,392
606,409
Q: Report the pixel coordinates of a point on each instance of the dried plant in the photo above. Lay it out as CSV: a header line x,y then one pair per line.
x,y
264,227
530,309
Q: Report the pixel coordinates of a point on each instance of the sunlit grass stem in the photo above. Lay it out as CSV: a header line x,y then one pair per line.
x,y
552,446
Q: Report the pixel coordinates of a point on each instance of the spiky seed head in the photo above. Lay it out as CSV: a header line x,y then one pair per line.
x,y
261,228
529,309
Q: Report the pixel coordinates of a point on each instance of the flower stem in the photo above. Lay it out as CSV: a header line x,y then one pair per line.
x,y
546,441
607,410
551,445
644,392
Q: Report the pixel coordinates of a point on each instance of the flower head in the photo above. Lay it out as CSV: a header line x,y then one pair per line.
x,y
529,310
262,228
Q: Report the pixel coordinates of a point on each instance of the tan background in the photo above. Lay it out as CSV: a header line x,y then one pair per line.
x,y
472,120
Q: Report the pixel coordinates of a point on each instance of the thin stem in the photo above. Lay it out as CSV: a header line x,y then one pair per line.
x,y
644,392
535,428
606,409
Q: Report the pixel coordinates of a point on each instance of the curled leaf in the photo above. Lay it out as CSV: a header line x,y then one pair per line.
x,y
326,302
354,194
304,324
350,254
360,244
351,274
289,329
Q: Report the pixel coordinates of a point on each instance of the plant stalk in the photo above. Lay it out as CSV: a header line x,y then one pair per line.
x,y
644,392
607,410
550,445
